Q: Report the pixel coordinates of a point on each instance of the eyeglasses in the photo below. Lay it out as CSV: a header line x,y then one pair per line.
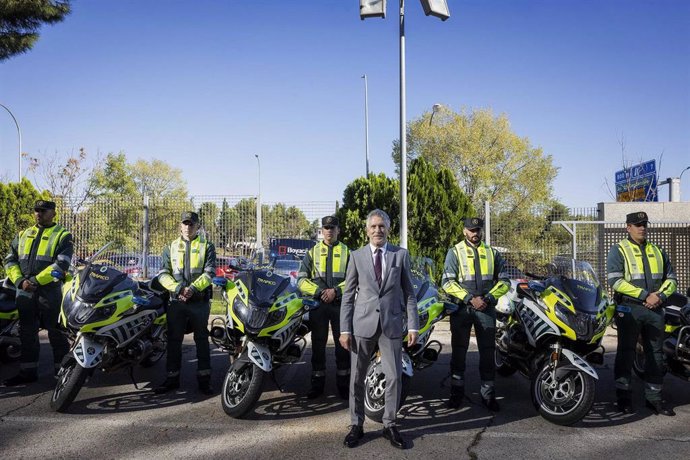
x,y
328,227
40,210
641,224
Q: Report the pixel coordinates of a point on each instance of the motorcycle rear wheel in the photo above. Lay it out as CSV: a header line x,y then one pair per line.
x,y
71,378
242,388
565,401
160,347
375,391
502,368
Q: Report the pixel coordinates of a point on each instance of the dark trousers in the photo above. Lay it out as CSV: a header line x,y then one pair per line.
x,y
319,319
461,324
40,309
197,314
648,324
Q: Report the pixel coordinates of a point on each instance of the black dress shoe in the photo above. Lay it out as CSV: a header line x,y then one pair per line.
x,y
352,439
171,383
20,379
491,404
660,408
625,406
393,435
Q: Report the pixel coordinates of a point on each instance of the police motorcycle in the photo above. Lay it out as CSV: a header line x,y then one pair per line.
x,y
263,329
551,330
676,345
113,321
10,345
424,353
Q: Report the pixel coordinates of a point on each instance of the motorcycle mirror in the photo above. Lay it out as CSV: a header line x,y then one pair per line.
x,y
219,281
140,301
536,286
310,304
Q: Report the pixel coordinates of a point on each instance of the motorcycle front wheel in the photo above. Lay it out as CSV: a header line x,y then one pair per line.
x,y
71,378
562,400
241,388
10,353
375,391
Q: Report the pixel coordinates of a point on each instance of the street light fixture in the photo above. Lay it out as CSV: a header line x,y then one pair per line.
x,y
377,8
366,123
19,133
259,237
436,108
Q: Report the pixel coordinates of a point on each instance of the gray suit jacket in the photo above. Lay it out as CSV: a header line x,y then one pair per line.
x,y
364,304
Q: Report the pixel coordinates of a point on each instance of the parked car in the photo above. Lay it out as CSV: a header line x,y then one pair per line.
x,y
225,264
132,265
287,267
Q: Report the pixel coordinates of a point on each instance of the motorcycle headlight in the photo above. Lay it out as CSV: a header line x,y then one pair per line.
x,y
276,317
81,312
241,310
564,314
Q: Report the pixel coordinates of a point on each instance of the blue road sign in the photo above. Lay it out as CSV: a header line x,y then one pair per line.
x,y
637,183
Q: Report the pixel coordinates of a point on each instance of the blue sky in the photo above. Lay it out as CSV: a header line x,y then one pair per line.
x,y
205,85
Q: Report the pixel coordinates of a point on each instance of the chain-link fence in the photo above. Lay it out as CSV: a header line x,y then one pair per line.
x,y
145,226
531,243
528,242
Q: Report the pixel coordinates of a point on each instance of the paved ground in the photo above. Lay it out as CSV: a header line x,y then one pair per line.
x,y
111,419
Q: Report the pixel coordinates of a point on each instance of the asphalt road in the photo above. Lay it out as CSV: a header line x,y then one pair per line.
x,y
112,419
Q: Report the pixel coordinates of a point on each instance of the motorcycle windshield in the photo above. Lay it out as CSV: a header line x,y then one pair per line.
x,y
423,284
579,281
265,286
105,272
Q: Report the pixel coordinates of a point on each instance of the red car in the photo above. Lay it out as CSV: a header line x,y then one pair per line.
x,y
225,264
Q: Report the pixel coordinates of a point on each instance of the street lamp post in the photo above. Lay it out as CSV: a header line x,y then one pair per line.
x,y
259,238
366,123
19,133
376,8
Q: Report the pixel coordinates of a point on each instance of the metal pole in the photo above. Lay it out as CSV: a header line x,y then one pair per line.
x,y
19,132
487,222
366,122
403,133
145,239
259,238
575,241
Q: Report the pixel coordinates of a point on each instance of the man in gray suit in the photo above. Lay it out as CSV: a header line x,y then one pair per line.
x,y
378,290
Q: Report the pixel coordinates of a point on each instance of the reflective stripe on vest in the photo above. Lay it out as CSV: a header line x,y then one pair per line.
x,y
634,264
50,239
319,257
465,255
196,258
